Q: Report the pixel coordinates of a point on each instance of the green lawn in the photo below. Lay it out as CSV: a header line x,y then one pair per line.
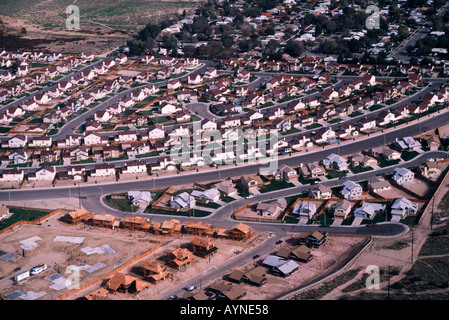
x,y
212,205
120,204
313,126
22,215
332,174
409,155
324,219
307,180
291,131
276,185
291,220
359,169
385,163
226,199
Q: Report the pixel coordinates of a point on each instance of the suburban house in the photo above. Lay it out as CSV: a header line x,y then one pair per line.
x,y
429,169
304,209
407,144
210,195
362,160
136,166
341,209
11,175
103,170
403,207
403,176
320,192
369,209
385,152
271,209
182,201
45,173
286,173
311,170
351,190
17,141
336,162
250,181
377,184
226,188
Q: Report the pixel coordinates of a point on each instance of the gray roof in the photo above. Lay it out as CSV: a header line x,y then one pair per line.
x,y
273,261
287,267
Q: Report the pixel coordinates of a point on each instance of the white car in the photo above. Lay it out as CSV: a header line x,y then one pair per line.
x,y
38,269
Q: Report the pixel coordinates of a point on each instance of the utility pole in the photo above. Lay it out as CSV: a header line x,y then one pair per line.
x,y
79,195
412,244
389,276
431,217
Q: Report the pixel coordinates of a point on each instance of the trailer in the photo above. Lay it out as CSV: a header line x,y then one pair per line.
x,y
21,276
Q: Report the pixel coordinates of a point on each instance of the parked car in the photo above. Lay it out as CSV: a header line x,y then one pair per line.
x,y
190,288
38,269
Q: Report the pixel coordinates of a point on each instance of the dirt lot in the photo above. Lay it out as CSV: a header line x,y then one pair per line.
x,y
325,257
395,193
419,187
58,255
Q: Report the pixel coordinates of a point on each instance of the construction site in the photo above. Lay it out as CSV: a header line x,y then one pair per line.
x,y
84,252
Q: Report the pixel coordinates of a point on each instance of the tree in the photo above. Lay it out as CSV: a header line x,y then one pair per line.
x,y
136,47
150,31
318,30
269,31
294,48
170,42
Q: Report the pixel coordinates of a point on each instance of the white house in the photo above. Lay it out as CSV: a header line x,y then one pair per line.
x,y
11,175
103,170
18,141
209,195
407,144
94,138
46,173
334,161
102,116
369,209
194,79
402,207
403,176
351,190
305,209
138,197
182,201
135,167
167,108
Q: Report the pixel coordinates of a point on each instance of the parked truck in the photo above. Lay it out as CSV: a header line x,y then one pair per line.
x,y
21,276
